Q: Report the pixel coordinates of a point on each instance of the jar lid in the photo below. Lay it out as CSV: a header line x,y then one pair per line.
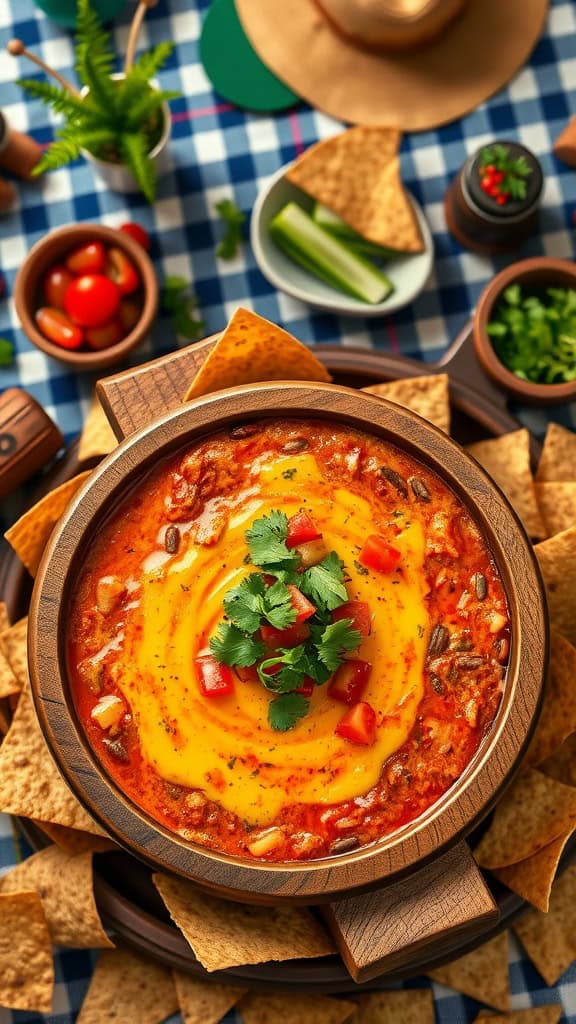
x,y
532,181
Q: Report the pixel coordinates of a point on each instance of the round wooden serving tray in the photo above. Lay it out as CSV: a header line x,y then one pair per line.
x,y
126,897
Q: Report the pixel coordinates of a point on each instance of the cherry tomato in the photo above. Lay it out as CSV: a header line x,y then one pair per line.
x,y
358,724
304,608
138,233
129,314
122,271
87,259
214,679
301,528
359,612
92,300
105,336
379,555
56,282
349,682
55,325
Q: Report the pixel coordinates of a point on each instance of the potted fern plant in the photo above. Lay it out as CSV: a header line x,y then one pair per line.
x,y
119,121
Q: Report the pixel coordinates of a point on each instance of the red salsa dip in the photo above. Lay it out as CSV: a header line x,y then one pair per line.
x,y
287,640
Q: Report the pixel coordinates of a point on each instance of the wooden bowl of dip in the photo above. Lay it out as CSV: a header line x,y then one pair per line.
x,y
425,879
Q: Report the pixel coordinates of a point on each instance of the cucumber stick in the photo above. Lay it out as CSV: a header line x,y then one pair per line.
x,y
340,229
327,257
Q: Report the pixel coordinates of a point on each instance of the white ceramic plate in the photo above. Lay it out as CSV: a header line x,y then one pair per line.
x,y
407,273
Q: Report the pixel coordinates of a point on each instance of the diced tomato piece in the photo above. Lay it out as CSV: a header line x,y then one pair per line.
x,y
214,679
289,637
379,555
304,607
105,336
307,688
301,528
138,233
55,325
349,682
56,282
122,271
91,300
246,674
359,612
87,259
359,724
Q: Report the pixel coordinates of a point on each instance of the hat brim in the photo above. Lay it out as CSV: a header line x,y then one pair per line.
x,y
471,60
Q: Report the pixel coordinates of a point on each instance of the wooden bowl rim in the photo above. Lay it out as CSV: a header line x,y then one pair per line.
x,y
450,818
64,239
525,270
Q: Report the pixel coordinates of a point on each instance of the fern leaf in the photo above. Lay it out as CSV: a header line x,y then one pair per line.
x,y
151,62
129,91
102,90
93,39
133,148
76,111
145,106
91,139
59,153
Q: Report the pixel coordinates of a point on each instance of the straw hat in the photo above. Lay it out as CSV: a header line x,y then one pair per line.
x,y
412,63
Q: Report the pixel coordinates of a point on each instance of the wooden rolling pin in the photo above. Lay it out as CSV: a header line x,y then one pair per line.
x,y
28,438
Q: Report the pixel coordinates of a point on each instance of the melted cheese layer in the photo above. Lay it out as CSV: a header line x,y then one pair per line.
x,y
224,746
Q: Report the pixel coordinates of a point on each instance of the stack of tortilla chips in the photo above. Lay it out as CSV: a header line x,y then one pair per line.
x,y
49,898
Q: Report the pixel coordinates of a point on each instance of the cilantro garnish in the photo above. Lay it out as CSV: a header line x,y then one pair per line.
x,y
515,169
175,298
233,647
266,541
535,338
7,351
323,583
266,598
234,219
287,710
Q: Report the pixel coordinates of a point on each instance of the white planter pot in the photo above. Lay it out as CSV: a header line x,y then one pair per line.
x,y
117,176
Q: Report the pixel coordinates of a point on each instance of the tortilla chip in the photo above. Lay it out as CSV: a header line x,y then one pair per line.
x,y
428,396
507,460
291,1008
535,1015
550,939
65,886
14,646
97,437
562,765
4,617
30,784
9,683
557,558
533,812
127,988
532,878
204,1002
27,970
224,934
253,349
557,504
482,974
558,716
410,1006
71,841
29,535
356,174
558,459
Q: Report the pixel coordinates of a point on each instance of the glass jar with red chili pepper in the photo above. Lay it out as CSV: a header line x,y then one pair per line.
x,y
492,204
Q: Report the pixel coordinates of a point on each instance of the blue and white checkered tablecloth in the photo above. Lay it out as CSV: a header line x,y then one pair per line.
x,y
217,151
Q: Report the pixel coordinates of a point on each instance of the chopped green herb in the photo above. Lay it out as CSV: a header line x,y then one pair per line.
x,y
233,647
287,710
289,474
176,299
7,352
252,603
361,569
323,583
535,338
336,639
267,543
234,219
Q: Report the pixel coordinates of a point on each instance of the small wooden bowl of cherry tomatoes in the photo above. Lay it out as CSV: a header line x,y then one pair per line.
x,y
87,294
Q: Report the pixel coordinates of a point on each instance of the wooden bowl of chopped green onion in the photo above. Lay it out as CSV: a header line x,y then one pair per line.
x,y
525,330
